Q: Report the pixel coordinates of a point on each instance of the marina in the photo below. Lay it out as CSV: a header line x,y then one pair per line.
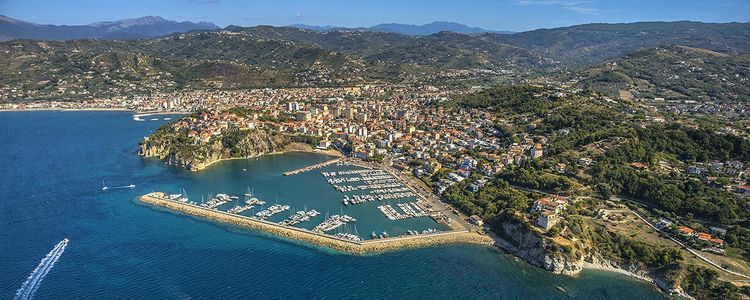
x,y
309,207
345,242
215,202
372,185
410,210
271,210
299,217
333,222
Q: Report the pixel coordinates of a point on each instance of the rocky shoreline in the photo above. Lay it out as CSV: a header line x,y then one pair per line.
x,y
529,247
171,148
204,165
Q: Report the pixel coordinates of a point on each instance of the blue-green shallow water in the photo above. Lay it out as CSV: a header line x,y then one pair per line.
x,y
51,168
309,190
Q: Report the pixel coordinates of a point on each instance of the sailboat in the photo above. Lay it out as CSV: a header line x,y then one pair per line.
x,y
104,187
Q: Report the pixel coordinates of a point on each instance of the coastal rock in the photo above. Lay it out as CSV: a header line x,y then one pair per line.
x,y
535,250
563,264
174,148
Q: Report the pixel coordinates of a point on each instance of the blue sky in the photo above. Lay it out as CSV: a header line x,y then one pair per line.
x,y
515,15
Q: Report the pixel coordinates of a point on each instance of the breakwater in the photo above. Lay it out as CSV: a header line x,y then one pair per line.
x,y
313,167
307,236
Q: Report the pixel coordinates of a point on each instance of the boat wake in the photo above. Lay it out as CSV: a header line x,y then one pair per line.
x,y
104,187
32,283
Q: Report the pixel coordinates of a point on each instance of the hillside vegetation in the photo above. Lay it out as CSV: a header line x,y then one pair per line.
x,y
674,73
265,56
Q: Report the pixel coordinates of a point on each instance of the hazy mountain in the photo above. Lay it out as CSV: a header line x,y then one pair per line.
x,y
262,56
408,29
314,27
144,27
431,28
595,43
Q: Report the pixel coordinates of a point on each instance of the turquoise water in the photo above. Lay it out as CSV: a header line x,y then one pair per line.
x,y
52,165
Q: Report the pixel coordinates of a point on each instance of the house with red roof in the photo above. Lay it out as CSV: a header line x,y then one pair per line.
x,y
684,230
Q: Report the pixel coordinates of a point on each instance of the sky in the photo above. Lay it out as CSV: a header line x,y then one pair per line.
x,y
512,15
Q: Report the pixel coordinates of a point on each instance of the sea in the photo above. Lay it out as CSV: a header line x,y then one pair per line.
x,y
53,165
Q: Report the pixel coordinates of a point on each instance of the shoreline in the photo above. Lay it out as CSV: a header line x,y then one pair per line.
x,y
492,239
509,248
310,238
611,269
68,109
329,152
661,285
137,112
319,239
146,114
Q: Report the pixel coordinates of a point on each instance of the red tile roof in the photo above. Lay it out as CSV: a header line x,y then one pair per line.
x,y
686,230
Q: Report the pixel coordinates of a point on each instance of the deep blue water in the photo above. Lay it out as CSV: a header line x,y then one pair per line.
x,y
52,165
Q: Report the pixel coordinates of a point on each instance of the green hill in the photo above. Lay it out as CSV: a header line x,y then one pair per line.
x,y
673,73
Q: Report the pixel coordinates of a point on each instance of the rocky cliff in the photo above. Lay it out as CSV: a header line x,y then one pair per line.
x,y
523,242
175,148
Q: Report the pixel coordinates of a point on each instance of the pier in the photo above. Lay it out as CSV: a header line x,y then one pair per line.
x,y
313,167
325,240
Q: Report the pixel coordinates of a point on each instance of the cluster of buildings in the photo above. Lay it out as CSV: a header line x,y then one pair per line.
x,y
726,109
188,101
399,125
731,171
714,240
550,210
729,168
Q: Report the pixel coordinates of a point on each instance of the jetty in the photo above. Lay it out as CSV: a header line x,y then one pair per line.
x,y
313,167
338,243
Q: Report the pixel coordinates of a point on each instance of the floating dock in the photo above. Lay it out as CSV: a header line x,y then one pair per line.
x,y
313,167
329,241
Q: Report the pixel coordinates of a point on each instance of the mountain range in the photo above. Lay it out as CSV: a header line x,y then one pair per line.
x,y
143,27
152,26
407,29
266,56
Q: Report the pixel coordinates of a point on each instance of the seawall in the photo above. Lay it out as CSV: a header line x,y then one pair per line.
x,y
307,236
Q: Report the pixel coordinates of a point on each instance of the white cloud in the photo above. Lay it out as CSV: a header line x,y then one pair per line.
x,y
578,6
